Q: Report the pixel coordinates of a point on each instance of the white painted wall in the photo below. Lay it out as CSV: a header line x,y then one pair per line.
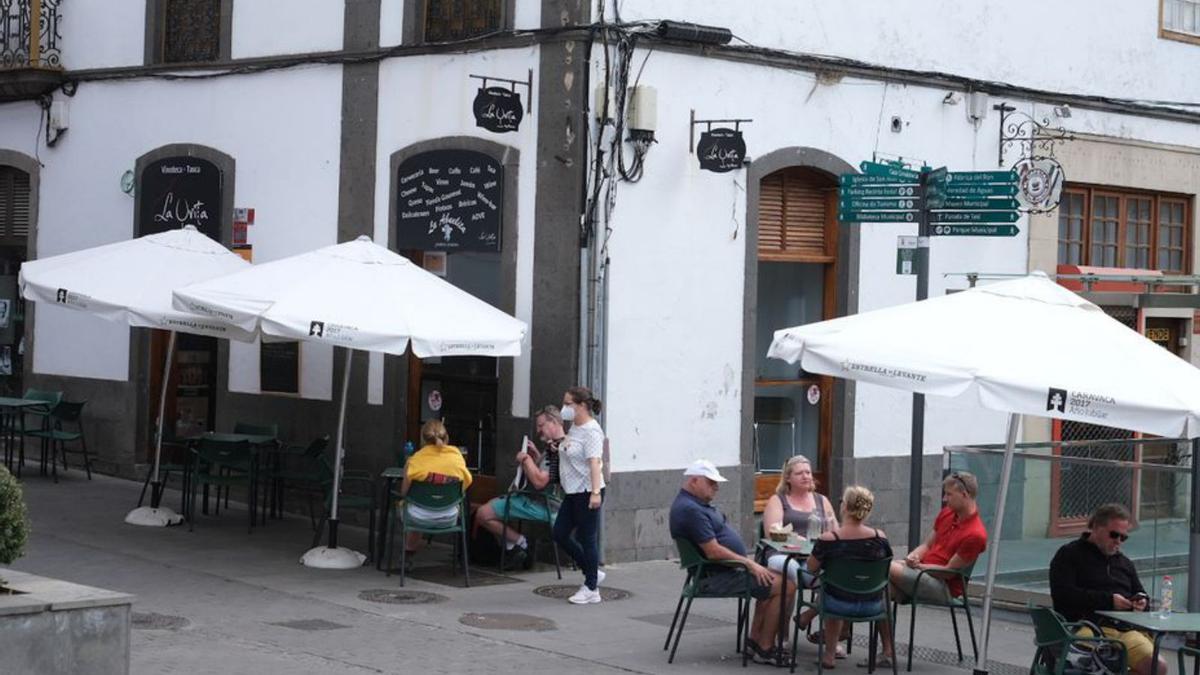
x,y
1108,47
429,97
269,27
678,246
283,132
103,34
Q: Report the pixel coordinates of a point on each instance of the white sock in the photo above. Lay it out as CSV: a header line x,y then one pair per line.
x,y
523,542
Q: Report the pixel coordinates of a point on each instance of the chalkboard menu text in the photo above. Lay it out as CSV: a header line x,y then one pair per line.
x,y
498,109
721,150
178,191
449,200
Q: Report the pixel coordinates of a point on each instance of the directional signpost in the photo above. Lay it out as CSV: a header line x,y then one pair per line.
x,y
942,203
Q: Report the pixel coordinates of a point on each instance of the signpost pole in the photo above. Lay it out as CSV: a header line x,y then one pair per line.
x,y
921,261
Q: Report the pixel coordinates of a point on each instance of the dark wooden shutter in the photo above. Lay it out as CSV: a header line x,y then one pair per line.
x,y
794,218
14,206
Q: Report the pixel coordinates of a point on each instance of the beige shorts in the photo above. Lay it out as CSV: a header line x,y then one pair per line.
x,y
1138,645
931,590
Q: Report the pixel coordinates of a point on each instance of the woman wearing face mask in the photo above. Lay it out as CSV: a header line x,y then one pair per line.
x,y
582,481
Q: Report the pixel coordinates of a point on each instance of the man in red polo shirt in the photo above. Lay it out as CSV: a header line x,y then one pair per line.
x,y
957,539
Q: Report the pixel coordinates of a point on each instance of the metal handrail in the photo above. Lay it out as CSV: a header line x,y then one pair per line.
x,y
999,450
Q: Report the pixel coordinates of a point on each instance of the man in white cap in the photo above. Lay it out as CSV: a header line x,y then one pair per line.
x,y
694,518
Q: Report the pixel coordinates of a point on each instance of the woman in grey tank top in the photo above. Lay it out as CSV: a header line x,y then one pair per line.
x,y
797,503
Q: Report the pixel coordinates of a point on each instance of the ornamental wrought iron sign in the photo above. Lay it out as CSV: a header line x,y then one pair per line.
x,y
449,200
720,149
1040,175
499,109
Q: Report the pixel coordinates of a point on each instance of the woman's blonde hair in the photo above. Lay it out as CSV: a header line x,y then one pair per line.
x,y
434,432
858,501
785,473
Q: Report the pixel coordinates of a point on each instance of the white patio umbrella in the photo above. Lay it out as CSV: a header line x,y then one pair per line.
x,y
131,281
356,295
1026,346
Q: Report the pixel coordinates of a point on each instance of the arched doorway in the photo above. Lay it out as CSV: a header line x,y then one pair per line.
x,y
797,252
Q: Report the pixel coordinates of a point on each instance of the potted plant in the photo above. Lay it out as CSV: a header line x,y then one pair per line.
x,y
14,526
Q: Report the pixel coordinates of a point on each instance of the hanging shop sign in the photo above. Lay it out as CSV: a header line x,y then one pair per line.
x,y
449,200
498,109
179,191
1039,183
721,150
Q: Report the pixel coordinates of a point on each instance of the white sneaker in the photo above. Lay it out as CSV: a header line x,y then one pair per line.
x,y
585,596
600,575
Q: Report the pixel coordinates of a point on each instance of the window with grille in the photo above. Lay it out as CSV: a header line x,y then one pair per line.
x,y
796,217
449,20
1116,228
1180,18
14,206
191,30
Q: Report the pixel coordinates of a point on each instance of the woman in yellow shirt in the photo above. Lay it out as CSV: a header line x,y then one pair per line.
x,y
435,461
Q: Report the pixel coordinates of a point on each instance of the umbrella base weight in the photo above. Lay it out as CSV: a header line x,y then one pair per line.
x,y
326,558
153,517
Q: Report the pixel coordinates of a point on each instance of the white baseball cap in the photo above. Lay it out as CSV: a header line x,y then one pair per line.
x,y
703,467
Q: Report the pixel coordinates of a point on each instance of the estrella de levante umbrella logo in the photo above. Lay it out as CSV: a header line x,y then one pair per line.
x,y
316,328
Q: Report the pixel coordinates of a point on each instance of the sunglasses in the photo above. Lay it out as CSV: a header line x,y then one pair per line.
x,y
961,483
1113,534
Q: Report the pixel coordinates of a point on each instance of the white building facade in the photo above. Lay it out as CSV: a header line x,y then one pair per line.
x,y
661,290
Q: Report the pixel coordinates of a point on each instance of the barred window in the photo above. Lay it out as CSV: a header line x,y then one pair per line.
x,y
1103,227
449,20
191,30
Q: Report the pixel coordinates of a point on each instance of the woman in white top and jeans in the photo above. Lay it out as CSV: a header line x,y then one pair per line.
x,y
579,471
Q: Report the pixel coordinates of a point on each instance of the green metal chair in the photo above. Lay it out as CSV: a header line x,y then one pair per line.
x,y
536,496
301,468
1192,652
176,458
1054,637
951,603
432,496
363,500
697,567
272,461
861,577
221,464
57,435
40,418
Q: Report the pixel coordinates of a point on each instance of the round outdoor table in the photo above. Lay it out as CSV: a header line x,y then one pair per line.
x,y
794,548
388,477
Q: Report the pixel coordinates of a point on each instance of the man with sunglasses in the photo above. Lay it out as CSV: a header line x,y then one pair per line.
x,y
1091,574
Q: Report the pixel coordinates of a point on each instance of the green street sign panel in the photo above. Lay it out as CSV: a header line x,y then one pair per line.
x,y
889,191
974,216
938,175
975,230
899,173
877,216
857,179
908,203
955,190
976,177
972,203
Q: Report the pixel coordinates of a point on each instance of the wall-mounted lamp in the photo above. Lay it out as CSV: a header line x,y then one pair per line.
x,y
977,106
1063,111
58,119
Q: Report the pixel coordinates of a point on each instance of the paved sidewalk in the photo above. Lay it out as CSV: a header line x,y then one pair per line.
x,y
221,600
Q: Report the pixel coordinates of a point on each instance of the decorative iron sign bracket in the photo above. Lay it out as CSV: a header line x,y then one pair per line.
x,y
1040,174
499,109
721,149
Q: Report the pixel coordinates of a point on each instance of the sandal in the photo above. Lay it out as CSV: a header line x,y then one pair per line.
x,y
881,661
758,654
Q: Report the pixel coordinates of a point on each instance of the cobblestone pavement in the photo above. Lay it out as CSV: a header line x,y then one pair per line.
x,y
221,600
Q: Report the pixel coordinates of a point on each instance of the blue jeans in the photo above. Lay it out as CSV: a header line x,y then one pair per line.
x,y
854,608
584,548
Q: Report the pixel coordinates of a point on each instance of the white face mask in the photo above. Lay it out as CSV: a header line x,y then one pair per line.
x,y
568,413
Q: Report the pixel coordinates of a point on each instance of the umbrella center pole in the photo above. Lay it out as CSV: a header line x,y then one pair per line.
x,y
337,463
1014,421
155,483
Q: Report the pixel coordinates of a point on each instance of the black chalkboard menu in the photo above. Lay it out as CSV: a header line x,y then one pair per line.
x,y
178,191
449,200
279,367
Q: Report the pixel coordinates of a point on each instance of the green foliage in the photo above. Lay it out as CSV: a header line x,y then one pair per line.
x,y
14,525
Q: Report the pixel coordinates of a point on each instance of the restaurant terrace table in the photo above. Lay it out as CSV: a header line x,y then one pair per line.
x,y
795,548
388,477
17,406
255,441
1151,622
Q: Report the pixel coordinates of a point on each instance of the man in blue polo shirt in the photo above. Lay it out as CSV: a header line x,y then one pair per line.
x,y
694,518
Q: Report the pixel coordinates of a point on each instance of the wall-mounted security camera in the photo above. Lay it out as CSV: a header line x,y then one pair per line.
x,y
897,124
1063,111
952,98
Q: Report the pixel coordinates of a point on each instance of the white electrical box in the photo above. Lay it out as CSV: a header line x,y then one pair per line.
x,y
642,110
601,107
59,116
